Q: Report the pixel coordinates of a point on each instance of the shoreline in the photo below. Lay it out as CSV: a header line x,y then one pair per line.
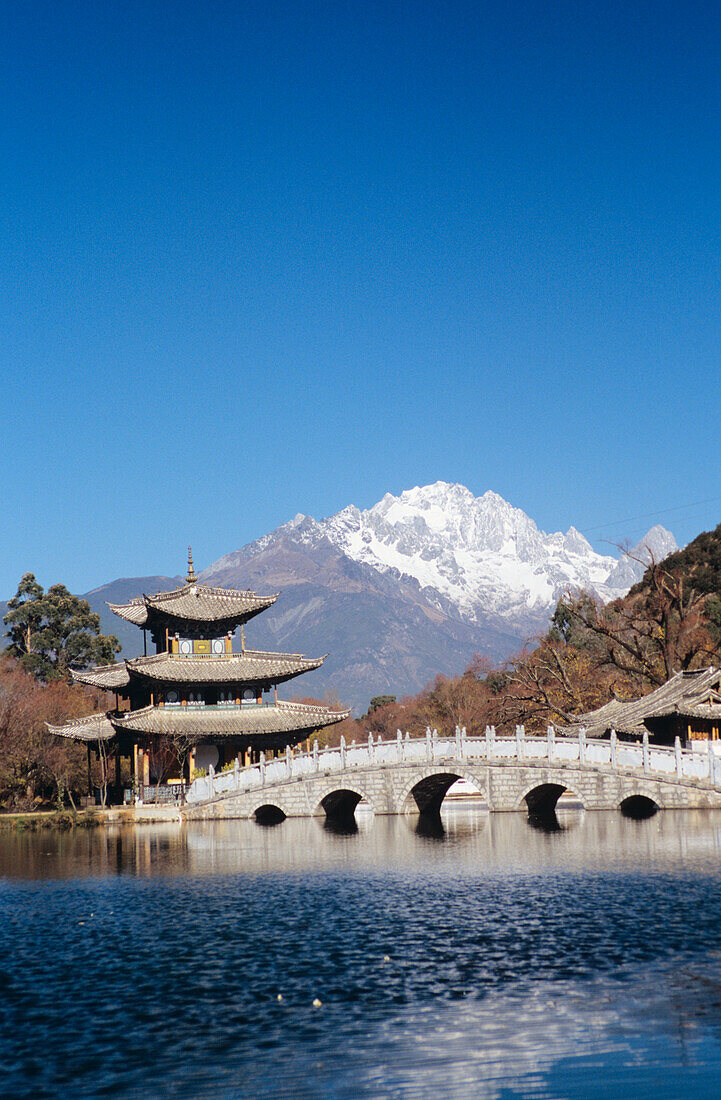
x,y
92,818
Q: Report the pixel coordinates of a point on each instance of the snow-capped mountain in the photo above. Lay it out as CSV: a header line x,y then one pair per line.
x,y
415,585
410,588
472,557
479,553
656,545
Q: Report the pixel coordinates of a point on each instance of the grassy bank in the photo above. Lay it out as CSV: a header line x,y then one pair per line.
x,y
61,820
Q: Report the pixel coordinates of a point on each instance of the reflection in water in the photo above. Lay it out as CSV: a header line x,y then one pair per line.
x,y
465,955
430,825
341,826
493,842
546,822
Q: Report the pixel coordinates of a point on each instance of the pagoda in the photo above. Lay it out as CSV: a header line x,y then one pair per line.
x,y
196,701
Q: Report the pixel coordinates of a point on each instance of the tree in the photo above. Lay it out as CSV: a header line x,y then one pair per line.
x,y
660,628
52,632
380,701
670,621
36,766
552,683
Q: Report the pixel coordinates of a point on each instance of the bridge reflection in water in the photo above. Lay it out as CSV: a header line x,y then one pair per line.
x,y
478,840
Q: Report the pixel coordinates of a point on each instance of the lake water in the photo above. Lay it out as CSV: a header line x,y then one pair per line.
x,y
485,959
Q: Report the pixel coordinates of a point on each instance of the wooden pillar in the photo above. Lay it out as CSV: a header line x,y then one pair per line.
x,y
117,769
90,773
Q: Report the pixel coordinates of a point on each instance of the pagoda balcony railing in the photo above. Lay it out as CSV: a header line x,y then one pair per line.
x,y
245,704
618,756
202,656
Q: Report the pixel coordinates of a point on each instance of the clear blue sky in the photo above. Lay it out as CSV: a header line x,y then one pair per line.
x,y
264,258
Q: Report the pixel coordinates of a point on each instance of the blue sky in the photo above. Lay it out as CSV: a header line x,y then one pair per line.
x,y
269,258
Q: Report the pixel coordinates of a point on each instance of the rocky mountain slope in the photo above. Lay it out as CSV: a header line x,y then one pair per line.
x,y
417,584
472,557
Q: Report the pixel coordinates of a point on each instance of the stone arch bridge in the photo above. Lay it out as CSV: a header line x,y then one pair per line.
x,y
510,773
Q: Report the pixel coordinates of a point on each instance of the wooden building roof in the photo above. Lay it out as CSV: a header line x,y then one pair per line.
x,y
94,727
687,694
106,677
252,667
194,603
212,722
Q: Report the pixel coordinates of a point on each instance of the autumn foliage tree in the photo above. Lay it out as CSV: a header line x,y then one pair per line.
x,y
35,766
661,627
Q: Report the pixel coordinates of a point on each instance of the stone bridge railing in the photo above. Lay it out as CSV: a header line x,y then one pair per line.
x,y
619,756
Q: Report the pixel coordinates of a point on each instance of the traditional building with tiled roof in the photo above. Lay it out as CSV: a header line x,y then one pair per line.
x,y
196,701
687,706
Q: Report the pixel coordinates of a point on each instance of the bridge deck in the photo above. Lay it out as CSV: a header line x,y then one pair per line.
x,y
601,773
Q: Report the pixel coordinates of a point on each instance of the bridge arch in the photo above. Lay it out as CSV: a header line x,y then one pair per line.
x,y
425,792
541,799
338,799
271,805
269,814
639,806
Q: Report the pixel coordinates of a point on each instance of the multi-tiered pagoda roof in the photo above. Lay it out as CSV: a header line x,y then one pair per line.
x,y
194,603
252,666
196,688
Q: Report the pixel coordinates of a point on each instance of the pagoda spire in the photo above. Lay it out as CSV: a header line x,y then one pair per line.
x,y
190,577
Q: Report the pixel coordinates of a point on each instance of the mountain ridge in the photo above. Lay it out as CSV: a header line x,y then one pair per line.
x,y
470,555
408,589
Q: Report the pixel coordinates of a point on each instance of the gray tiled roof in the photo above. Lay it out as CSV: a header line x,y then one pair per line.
x,y
105,677
228,722
253,666
249,667
687,694
95,727
195,603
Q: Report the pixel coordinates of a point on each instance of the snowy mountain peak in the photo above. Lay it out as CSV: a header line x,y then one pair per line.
x,y
472,557
656,545
479,555
578,541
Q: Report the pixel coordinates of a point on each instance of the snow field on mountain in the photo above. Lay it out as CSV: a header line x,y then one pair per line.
x,y
480,554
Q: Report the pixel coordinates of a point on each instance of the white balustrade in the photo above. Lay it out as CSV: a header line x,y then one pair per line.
x,y
561,751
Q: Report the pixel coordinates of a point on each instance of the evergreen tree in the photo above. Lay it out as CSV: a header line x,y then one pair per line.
x,y
54,631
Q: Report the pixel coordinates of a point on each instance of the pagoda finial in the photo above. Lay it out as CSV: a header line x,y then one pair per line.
x,y
191,577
